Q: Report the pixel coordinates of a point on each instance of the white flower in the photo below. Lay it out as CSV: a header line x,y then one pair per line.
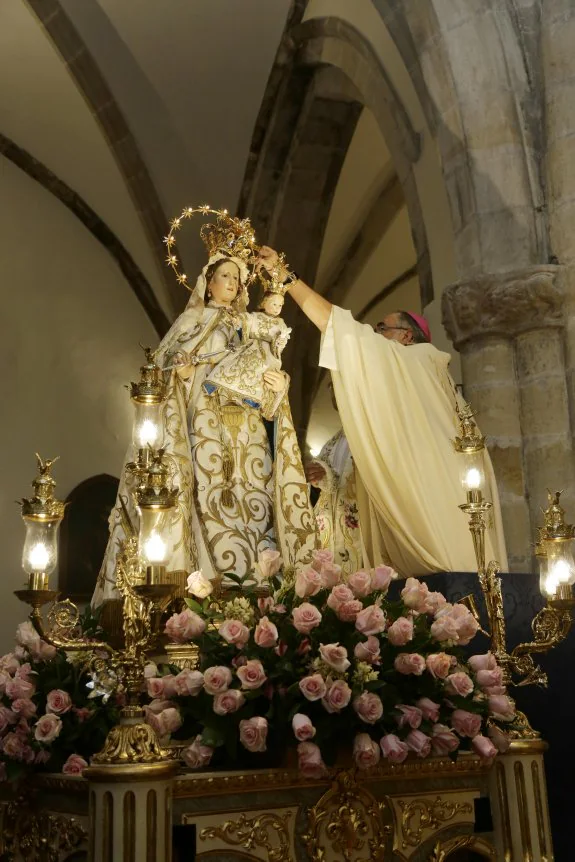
x,y
239,609
199,586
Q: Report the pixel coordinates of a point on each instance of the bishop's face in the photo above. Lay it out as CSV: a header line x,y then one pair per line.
x,y
394,329
224,284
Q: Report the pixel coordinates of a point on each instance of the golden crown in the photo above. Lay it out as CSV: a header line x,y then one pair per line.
x,y
228,235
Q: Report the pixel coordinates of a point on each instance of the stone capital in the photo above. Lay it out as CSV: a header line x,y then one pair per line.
x,y
503,304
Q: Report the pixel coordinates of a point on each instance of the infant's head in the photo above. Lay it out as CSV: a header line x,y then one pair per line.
x,y
272,304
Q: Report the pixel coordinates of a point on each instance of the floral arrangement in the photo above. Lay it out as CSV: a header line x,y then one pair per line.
x,y
324,659
49,719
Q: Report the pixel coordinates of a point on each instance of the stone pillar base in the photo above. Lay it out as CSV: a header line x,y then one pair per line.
x,y
130,812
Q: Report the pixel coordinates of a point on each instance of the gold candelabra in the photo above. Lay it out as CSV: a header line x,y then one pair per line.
x,y
139,573
553,622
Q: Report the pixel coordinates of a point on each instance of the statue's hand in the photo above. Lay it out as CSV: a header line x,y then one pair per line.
x,y
275,380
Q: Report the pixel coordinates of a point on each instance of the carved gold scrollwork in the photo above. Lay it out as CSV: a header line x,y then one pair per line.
x,y
419,815
350,819
31,835
268,831
442,852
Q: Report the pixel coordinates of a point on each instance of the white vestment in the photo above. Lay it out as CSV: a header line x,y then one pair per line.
x,y
397,407
336,511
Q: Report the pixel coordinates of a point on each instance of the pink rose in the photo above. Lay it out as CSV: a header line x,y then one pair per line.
x,y
24,671
393,749
444,628
418,742
313,687
19,688
266,633
368,650
234,632
155,686
381,578
489,678
310,762
197,755
302,727
74,765
170,689
371,620
308,582
24,707
6,717
501,707
482,662
443,740
434,602
429,709
459,683
189,682
466,723
483,747
28,637
338,595
439,664
82,712
400,632
42,756
253,733
409,662
467,625
330,575
48,728
368,706
228,701
9,663
303,647
499,739
265,604
184,626
409,716
13,746
366,752
279,609
360,584
4,678
282,648
151,670
337,697
414,594
335,656
269,563
347,612
306,617
217,679
158,706
252,675
171,719
321,558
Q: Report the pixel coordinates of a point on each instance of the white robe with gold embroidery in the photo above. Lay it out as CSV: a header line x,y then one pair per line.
x,y
397,406
336,510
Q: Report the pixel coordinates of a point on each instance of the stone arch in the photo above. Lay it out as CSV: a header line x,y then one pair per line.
x,y
95,89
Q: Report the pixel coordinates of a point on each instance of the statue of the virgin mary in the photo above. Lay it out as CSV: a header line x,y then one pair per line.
x,y
236,462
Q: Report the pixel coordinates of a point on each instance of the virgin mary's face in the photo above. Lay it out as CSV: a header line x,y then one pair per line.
x,y
225,282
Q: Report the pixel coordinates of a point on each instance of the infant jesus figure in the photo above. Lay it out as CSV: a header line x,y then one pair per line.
x,y
239,376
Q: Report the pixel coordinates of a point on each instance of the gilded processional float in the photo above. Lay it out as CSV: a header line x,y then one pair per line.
x,y
230,689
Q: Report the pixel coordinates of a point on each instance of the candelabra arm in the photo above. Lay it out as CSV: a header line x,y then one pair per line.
x,y
60,641
550,627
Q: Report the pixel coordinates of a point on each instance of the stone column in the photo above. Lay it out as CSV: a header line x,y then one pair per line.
x,y
509,329
518,794
558,33
130,812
